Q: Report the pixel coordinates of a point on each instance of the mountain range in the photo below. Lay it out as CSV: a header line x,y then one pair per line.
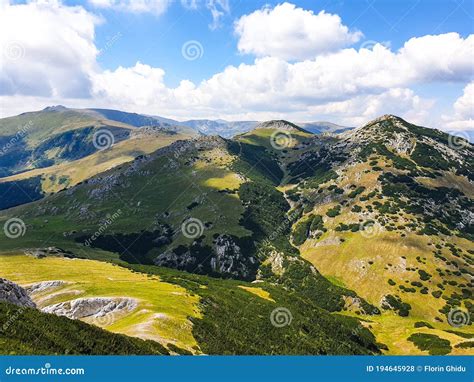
x,y
273,238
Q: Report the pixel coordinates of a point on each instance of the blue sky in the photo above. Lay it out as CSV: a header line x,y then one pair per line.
x,y
157,40
344,61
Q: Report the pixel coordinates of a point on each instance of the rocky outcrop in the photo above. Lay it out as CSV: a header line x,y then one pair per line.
x,y
225,258
276,260
172,259
92,307
44,286
39,253
229,258
14,294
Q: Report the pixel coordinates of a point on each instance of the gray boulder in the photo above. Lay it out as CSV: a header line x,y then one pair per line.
x,y
14,294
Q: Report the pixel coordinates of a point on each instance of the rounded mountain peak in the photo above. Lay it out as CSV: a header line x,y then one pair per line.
x,y
279,124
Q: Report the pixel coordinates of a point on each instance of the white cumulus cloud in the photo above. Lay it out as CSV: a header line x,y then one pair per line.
x,y
123,84
49,56
358,110
47,49
289,32
156,7
463,111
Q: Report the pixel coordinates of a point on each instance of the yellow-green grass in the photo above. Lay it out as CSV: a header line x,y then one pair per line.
x,y
163,308
230,181
361,262
68,174
393,331
361,175
40,125
258,292
221,161
336,281
350,262
264,137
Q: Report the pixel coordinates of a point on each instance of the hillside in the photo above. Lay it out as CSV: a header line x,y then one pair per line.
x,y
53,282
77,145
38,183
374,223
184,312
31,332
57,135
215,224
390,204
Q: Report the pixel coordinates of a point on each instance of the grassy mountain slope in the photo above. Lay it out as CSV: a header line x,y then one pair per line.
x,y
30,332
59,135
145,191
132,119
225,195
219,186
53,149
390,204
179,309
64,175
50,136
373,224
162,313
52,120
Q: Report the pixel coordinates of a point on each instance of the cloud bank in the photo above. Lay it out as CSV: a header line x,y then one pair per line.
x,y
308,70
292,33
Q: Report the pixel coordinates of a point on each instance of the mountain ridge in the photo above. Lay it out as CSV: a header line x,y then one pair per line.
x,y
281,209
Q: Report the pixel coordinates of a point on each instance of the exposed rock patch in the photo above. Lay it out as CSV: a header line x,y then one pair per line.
x,y
43,286
224,258
14,294
334,240
92,307
276,262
